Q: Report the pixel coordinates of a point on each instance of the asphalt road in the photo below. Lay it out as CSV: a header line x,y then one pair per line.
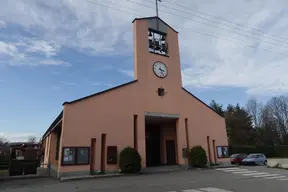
x,y
242,179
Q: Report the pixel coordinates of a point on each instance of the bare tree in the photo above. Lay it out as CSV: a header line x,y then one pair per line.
x,y
32,139
255,110
277,110
269,133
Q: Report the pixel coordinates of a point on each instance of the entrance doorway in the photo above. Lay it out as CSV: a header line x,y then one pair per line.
x,y
161,141
153,157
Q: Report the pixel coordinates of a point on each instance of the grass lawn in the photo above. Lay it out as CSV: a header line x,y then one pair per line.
x,y
3,172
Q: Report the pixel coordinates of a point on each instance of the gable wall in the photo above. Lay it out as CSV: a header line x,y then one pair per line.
x,y
110,113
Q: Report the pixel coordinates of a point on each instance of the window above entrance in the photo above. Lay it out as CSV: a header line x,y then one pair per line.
x,y
157,42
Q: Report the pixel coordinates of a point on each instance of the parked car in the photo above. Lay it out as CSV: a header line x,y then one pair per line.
x,y
255,159
237,158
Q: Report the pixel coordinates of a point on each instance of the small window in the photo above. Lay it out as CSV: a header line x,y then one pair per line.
x,y
75,155
161,92
82,155
69,156
222,151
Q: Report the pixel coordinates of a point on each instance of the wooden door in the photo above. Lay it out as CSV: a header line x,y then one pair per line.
x,y
171,152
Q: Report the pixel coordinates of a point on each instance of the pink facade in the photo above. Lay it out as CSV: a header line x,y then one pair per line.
x,y
124,113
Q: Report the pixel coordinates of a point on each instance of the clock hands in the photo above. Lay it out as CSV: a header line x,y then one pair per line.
x,y
161,71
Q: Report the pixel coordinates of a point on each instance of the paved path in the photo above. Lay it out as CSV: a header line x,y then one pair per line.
x,y
188,181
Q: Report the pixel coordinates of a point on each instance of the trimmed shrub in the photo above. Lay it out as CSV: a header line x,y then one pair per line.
x,y
198,157
130,160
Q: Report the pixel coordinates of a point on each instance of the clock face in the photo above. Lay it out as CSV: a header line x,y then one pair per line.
x,y
160,69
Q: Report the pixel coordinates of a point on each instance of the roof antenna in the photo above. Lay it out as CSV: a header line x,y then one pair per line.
x,y
157,13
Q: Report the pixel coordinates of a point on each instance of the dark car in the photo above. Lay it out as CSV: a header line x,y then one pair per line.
x,y
237,158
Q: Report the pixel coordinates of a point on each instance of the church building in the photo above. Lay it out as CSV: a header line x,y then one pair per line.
x,y
153,113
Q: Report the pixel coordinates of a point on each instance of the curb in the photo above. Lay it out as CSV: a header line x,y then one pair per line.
x,y
213,167
224,166
162,171
63,179
21,177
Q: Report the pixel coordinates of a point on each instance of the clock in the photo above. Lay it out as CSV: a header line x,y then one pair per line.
x,y
160,69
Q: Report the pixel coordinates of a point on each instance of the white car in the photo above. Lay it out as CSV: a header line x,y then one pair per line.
x,y
255,159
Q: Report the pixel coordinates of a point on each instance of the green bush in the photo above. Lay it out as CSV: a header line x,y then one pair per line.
x,y
130,160
198,157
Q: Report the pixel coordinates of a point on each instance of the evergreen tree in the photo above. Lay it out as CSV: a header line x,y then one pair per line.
x,y
218,108
239,126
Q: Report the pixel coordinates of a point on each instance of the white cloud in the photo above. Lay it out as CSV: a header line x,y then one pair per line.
x,y
47,48
23,53
207,61
2,24
7,49
18,136
53,62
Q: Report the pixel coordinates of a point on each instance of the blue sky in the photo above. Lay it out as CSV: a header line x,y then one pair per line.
x,y
57,51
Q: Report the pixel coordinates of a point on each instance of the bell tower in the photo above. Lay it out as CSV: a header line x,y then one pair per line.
x,y
156,53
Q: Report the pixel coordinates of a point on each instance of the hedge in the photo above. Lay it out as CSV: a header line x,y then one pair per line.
x,y
4,162
268,150
4,158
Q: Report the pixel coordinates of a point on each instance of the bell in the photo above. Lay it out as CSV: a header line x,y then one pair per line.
x,y
163,38
150,34
151,44
157,45
164,47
